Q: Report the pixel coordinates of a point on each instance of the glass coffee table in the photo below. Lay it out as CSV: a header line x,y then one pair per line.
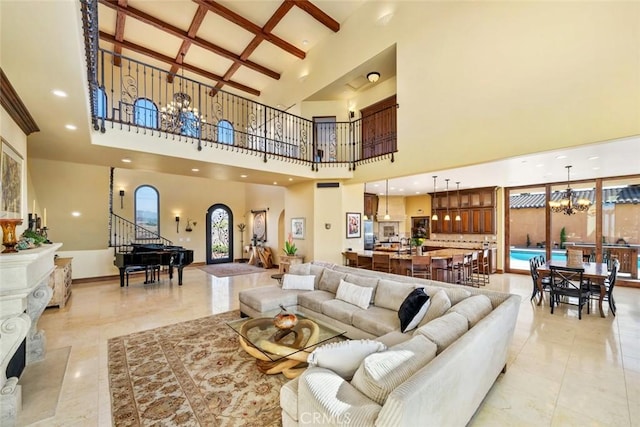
x,y
282,350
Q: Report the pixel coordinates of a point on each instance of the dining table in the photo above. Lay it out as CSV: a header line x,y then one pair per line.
x,y
596,272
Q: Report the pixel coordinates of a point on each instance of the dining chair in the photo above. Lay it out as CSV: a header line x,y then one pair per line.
x,y
534,263
567,282
381,262
574,257
420,266
609,283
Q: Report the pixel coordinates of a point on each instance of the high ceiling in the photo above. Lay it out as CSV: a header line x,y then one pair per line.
x,y
241,46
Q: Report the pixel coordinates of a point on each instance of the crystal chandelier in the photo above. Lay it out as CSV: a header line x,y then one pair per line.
x,y
569,204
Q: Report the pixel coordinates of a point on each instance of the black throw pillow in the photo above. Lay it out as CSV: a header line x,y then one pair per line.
x,y
413,309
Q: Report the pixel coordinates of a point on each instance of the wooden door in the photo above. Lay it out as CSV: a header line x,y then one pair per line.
x,y
379,128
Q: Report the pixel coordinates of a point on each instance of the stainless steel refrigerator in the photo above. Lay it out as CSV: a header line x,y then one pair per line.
x,y
368,235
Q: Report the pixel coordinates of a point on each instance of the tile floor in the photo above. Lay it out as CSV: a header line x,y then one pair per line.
x,y
562,371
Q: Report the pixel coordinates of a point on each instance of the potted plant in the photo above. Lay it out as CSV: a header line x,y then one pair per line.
x,y
417,242
563,237
290,247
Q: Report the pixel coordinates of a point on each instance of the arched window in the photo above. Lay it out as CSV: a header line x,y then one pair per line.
x,y
145,113
225,132
147,212
101,103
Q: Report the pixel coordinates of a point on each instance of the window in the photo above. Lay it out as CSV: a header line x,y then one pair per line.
x,y
147,208
101,103
225,132
145,113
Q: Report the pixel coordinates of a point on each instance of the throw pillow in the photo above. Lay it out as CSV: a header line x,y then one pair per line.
x,y
330,280
473,308
381,373
439,303
413,309
354,294
344,357
294,281
301,269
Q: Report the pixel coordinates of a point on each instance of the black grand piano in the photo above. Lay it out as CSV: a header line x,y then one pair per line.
x,y
149,256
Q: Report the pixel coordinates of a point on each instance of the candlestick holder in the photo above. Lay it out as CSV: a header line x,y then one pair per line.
x,y
43,233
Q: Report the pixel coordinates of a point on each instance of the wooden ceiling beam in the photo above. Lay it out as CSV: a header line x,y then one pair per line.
x,y
120,20
171,61
186,44
177,32
243,22
317,14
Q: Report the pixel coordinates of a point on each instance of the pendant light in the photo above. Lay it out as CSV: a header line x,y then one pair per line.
x,y
458,215
386,201
447,217
365,217
434,217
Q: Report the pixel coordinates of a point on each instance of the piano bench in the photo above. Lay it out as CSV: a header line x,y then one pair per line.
x,y
150,272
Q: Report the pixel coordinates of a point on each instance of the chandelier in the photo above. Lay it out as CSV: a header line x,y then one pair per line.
x,y
178,115
569,204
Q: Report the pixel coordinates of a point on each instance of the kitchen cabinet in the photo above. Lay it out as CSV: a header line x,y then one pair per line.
x,y
370,205
476,207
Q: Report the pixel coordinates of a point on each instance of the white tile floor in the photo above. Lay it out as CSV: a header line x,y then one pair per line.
x,y
562,371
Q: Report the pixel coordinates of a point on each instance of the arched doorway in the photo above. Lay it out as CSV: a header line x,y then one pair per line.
x,y
219,234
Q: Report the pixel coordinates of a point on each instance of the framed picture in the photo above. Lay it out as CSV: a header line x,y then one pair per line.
x,y
420,227
260,225
297,228
10,182
354,225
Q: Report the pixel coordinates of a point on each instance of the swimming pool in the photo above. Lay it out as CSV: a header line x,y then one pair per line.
x,y
525,254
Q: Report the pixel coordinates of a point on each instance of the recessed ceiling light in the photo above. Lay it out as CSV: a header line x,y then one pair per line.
x,y
60,93
562,156
593,158
305,42
126,160
290,179
75,213
376,185
275,182
539,165
402,189
71,127
417,192
243,176
195,170
596,168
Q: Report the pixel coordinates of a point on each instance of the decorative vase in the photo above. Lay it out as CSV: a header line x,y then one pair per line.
x,y
9,234
284,319
419,250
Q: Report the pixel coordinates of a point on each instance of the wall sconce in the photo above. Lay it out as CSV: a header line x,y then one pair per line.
x,y
121,199
177,224
190,225
327,226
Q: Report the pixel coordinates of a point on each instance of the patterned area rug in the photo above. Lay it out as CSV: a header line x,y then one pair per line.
x,y
231,269
190,374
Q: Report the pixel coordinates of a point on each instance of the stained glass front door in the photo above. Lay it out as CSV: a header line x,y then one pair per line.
x,y
219,236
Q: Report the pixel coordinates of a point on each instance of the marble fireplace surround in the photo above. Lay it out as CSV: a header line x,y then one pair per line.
x,y
24,294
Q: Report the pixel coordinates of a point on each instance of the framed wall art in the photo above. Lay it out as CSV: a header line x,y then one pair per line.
x,y
297,228
260,225
354,225
11,164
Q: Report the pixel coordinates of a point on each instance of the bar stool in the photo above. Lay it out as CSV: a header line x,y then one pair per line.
x,y
456,269
483,266
381,262
420,267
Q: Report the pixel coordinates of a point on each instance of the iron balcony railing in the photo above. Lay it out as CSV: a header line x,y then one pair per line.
x,y
142,98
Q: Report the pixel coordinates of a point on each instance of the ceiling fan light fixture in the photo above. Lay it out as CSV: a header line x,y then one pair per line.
x,y
373,76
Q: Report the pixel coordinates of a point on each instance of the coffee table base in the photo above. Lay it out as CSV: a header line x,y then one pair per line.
x,y
293,360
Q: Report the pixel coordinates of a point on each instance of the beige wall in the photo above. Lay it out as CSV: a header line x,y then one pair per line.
x,y
299,203
522,77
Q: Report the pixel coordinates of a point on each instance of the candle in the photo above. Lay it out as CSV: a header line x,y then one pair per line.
x,y
44,217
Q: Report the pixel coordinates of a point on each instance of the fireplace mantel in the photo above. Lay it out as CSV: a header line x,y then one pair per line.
x,y
24,294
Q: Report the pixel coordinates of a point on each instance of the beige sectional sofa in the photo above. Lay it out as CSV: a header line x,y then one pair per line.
x,y
436,374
